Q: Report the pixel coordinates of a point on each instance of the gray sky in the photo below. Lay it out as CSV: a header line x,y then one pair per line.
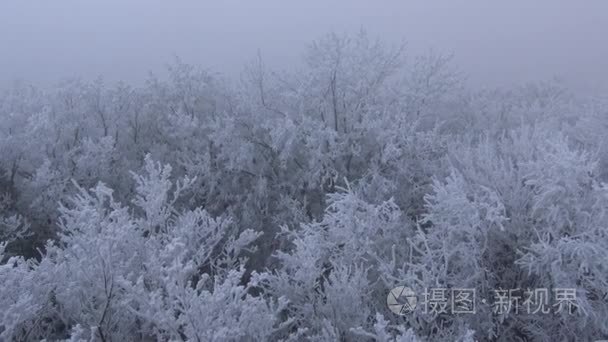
x,y
496,43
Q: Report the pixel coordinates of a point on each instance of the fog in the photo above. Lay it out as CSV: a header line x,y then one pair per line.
x,y
377,194
494,43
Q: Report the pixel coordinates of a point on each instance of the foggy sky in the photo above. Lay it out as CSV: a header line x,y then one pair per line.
x,y
496,43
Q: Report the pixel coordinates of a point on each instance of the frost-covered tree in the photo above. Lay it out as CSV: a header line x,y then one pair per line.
x,y
117,274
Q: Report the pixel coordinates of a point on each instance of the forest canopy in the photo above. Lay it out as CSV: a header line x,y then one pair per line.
x,y
285,205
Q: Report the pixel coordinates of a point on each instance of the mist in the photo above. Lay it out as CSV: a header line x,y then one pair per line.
x,y
303,171
494,43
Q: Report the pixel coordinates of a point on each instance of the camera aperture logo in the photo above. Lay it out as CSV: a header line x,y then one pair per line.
x,y
401,300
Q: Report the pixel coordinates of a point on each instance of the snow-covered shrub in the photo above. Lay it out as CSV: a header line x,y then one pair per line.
x,y
115,274
330,276
525,210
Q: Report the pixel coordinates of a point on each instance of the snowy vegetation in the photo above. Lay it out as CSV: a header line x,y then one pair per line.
x,y
286,205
